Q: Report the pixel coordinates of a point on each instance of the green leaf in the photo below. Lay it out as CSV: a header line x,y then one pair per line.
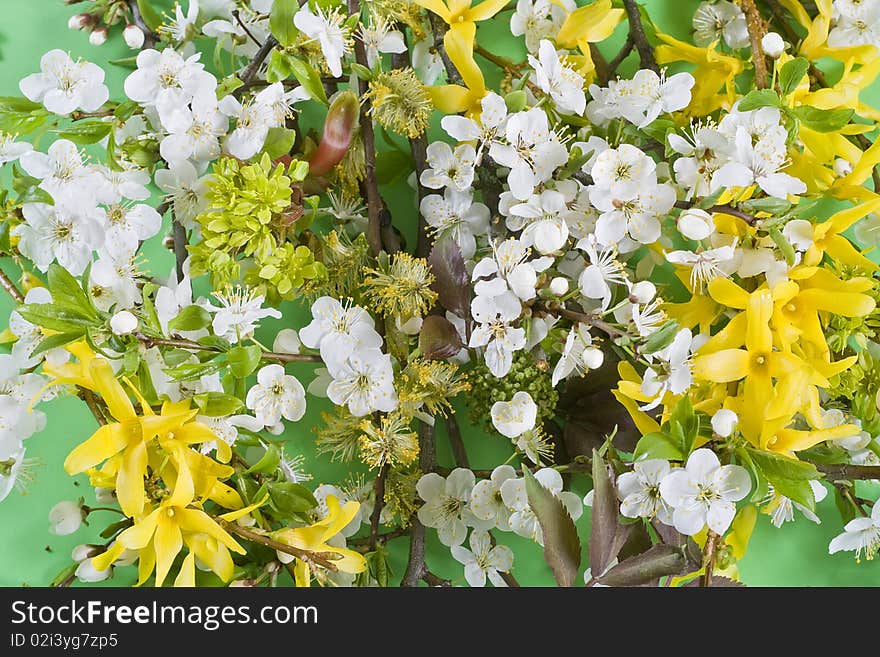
x,y
825,453
124,111
278,67
759,98
562,547
289,498
193,371
771,204
151,17
35,194
55,318
777,465
243,360
797,490
281,21
783,245
684,425
268,463
658,129
516,100
822,120
191,318
217,404
656,562
661,338
309,79
86,132
279,141
227,86
57,340
20,115
67,292
657,445
791,73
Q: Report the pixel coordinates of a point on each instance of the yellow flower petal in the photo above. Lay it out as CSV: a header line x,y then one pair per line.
x,y
167,542
591,23
486,9
138,535
130,478
114,395
108,440
759,338
722,366
187,575
726,292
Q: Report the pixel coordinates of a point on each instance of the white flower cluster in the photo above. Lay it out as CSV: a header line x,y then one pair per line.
x,y
453,504
856,23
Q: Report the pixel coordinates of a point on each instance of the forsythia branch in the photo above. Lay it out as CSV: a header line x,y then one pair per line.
x,y
195,346
318,558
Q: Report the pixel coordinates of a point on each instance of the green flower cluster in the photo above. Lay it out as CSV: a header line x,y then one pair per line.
x,y
525,374
252,214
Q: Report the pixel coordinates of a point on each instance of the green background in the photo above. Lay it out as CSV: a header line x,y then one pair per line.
x,y
795,555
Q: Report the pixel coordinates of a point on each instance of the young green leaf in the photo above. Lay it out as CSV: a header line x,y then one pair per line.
x,y
243,360
759,98
191,318
67,292
791,73
822,120
657,445
604,536
281,21
562,547
217,404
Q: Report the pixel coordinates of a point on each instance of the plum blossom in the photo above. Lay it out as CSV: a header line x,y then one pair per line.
x,y
64,85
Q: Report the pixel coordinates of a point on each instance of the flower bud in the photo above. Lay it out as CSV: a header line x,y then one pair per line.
x,y
79,21
695,224
98,37
772,45
559,286
86,572
642,292
105,495
134,37
842,167
724,422
85,551
338,131
287,342
593,358
412,326
123,323
65,518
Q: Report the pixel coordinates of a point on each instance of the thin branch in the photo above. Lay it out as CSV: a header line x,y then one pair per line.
x,y
416,567
724,208
640,39
195,346
419,150
10,287
438,27
845,471
499,61
613,65
379,504
253,68
599,63
319,558
237,15
92,403
458,449
375,204
583,318
434,580
363,544
709,554
757,29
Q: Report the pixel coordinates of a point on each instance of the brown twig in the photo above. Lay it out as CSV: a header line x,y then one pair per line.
x,y
709,553
624,52
92,403
583,318
845,471
640,39
438,27
10,287
319,558
237,15
375,204
253,68
195,346
757,29
416,567
363,544
458,450
379,504
724,208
